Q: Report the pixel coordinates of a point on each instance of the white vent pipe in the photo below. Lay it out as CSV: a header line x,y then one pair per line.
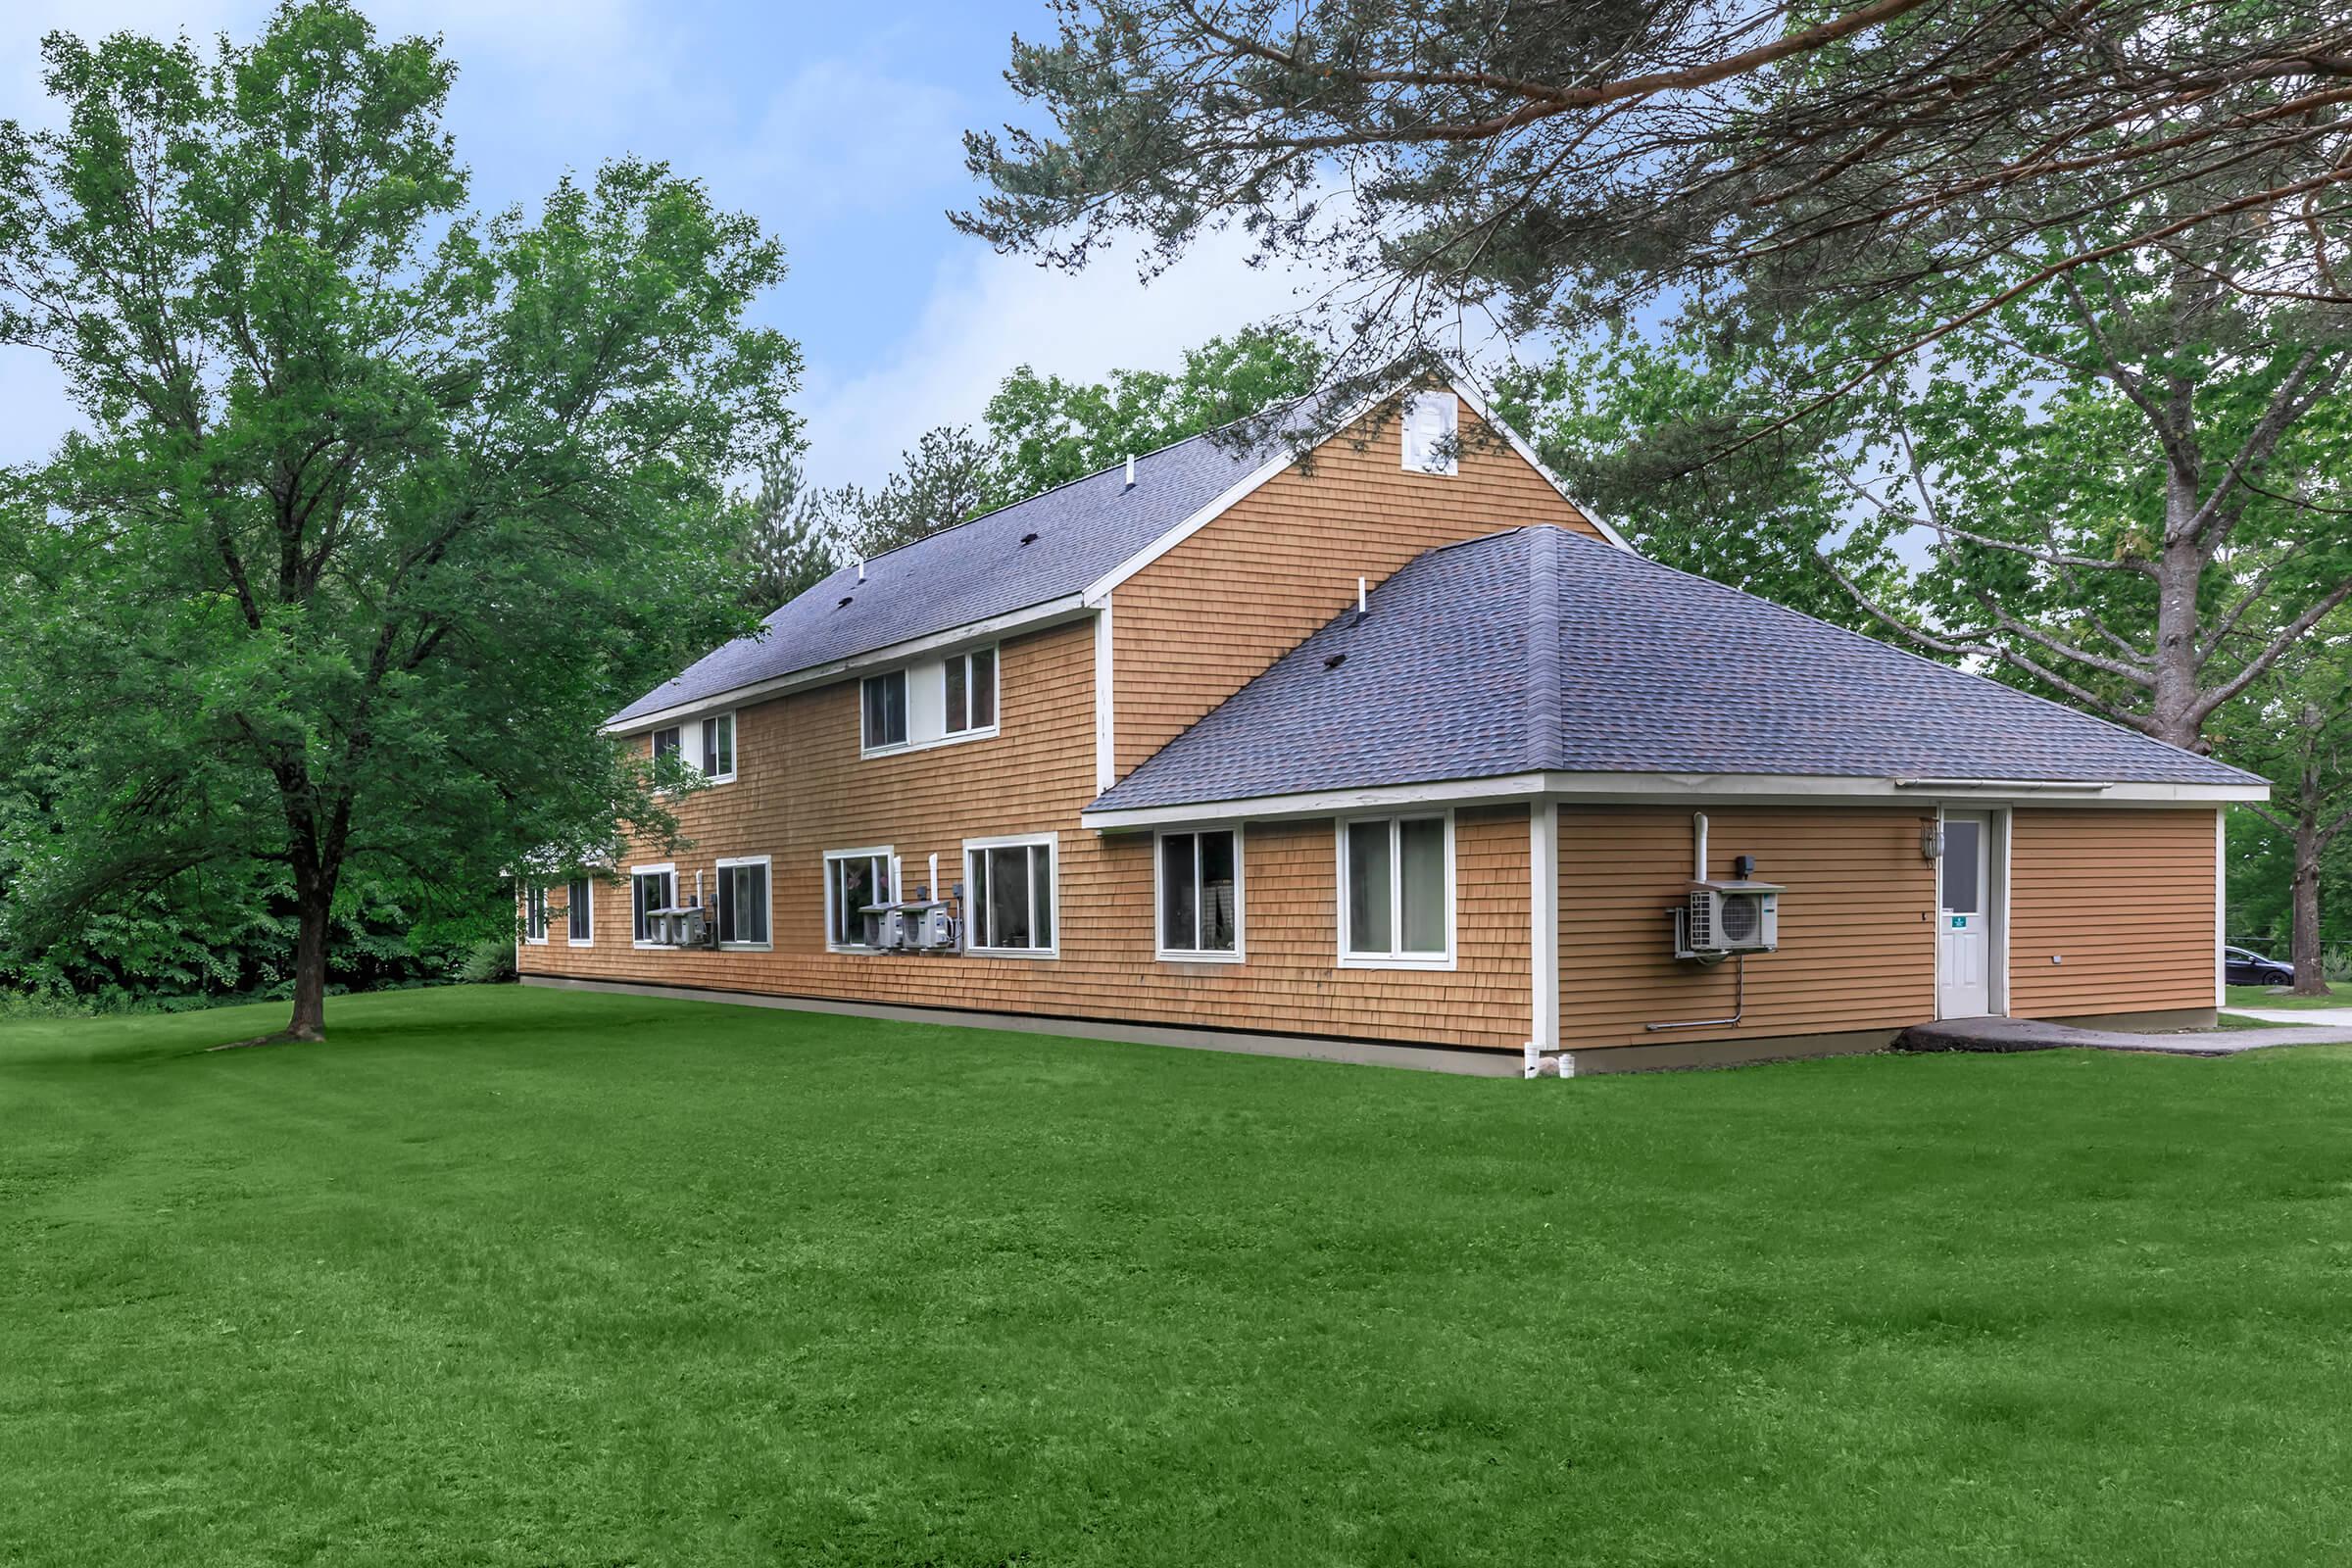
x,y
1130,470
1699,834
1362,597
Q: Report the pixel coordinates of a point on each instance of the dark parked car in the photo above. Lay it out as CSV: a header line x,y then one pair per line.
x,y
2244,968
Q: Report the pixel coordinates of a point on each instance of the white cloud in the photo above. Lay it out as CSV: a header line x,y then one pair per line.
x,y
820,149
988,313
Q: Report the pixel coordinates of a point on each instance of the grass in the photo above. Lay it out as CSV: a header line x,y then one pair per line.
x,y
2339,994
512,1276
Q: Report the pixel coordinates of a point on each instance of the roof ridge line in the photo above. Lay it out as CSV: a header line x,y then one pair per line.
x,y
1543,722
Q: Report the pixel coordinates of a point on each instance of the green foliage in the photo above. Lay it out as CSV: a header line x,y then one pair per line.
x,y
1047,431
790,543
381,505
490,959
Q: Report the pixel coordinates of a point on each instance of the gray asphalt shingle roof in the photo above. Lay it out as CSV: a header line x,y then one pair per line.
x,y
1541,651
975,570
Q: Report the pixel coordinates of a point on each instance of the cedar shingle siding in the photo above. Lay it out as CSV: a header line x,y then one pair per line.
x,y
2125,894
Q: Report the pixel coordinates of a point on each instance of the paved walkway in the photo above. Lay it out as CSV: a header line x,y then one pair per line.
x,y
2031,1034
2328,1018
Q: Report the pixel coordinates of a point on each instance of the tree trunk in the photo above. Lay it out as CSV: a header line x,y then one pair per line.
x,y
2311,978
314,900
2179,574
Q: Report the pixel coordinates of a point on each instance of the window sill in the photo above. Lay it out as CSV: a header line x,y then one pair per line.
x,y
1013,953
575,942
747,947
960,736
854,949
1405,961
1172,956
534,942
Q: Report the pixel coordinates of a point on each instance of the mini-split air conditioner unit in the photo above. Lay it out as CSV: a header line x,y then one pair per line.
x,y
1721,919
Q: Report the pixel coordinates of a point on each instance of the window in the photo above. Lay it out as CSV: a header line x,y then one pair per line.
x,y
854,879
1200,894
971,691
667,743
1010,894
1433,424
718,747
743,902
534,913
651,887
1397,893
886,710
580,898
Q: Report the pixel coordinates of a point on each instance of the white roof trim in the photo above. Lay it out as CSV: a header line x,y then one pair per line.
x,y
1653,788
1099,589
1095,595
1037,618
1477,406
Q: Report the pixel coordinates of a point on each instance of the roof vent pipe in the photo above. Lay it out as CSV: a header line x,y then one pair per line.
x,y
1698,836
861,568
1130,470
1363,603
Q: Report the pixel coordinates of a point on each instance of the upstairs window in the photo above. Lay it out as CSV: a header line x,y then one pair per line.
x,y
1397,893
1010,895
886,710
1433,428
534,913
651,887
718,747
580,897
743,902
971,691
1200,894
667,743
854,879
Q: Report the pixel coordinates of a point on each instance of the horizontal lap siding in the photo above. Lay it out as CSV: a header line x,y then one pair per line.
x,y
802,789
2126,898
1856,944
1197,624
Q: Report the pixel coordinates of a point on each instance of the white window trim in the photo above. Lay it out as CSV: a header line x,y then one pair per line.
x,y
734,746
588,885
1007,840
529,940
768,885
1393,961
1240,920
933,744
978,732
907,674
879,852
636,872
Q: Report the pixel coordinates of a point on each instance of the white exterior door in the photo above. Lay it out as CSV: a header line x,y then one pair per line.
x,y
1964,920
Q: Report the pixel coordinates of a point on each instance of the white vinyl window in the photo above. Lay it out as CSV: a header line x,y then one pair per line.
x,y
1200,882
1433,428
969,692
668,742
718,747
885,701
854,879
743,902
579,900
1012,897
1395,878
534,913
651,887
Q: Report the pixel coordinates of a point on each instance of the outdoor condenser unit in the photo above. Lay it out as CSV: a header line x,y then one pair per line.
x,y
1725,917
684,926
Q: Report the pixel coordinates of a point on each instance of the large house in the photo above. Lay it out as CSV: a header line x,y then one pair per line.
x,y
1396,753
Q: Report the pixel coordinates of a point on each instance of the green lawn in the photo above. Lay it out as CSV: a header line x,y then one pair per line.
x,y
2340,996
518,1277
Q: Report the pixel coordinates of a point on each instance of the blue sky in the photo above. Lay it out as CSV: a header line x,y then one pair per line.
x,y
837,126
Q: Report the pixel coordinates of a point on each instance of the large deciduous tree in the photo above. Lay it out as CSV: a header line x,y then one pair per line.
x,y
2124,489
378,504
2296,728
